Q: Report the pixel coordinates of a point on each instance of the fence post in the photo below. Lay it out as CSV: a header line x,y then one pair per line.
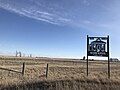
x,y
23,68
47,71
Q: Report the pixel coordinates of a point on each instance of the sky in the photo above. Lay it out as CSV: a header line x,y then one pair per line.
x,y
57,28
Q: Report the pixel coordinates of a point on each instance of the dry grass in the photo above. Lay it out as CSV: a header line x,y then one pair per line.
x,y
35,70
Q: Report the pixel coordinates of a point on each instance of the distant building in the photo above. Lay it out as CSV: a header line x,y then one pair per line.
x,y
114,60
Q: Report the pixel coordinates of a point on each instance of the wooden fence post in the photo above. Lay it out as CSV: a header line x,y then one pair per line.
x,y
47,71
23,68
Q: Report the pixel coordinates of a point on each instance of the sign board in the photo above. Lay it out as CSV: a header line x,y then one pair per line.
x,y
97,46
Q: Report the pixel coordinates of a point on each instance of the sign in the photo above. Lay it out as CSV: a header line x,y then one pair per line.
x,y
97,46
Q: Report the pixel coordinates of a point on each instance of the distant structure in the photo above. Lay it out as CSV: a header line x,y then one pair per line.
x,y
18,54
114,59
84,58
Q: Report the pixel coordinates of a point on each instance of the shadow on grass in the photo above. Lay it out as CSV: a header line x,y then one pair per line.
x,y
76,84
10,70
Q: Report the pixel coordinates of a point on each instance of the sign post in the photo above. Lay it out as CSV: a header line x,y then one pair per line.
x,y
87,53
108,58
98,46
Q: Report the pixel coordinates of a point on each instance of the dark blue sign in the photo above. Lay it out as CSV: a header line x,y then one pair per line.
x,y
97,46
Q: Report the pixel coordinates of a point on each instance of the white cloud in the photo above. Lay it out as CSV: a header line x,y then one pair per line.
x,y
75,16
34,12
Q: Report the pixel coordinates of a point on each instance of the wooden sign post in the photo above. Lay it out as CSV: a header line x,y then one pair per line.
x,y
98,46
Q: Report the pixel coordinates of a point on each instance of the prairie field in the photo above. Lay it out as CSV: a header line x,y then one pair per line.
x,y
59,69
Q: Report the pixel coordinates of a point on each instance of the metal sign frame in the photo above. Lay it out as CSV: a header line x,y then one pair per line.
x,y
98,48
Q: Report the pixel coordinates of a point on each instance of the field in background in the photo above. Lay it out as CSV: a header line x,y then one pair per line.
x,y
35,70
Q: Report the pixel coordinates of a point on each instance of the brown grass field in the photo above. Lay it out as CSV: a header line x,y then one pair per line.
x,y
60,69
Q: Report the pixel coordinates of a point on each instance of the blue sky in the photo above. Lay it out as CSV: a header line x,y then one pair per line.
x,y
57,28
